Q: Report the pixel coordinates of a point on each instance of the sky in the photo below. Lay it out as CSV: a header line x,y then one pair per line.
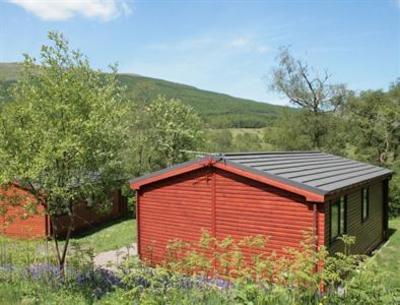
x,y
222,46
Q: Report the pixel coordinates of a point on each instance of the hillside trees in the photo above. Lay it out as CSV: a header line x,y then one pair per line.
x,y
312,92
374,117
62,134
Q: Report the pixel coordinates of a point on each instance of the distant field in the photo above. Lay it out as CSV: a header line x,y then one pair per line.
x,y
240,131
239,139
9,71
256,131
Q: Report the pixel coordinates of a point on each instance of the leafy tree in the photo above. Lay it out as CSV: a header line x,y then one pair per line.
x,y
164,132
61,135
394,193
374,117
289,133
376,125
311,92
294,131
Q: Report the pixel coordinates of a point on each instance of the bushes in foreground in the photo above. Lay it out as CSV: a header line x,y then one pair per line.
x,y
243,272
163,287
235,272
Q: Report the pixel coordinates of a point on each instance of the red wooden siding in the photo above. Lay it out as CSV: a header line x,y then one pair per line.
x,y
176,208
248,208
15,222
321,220
37,226
180,207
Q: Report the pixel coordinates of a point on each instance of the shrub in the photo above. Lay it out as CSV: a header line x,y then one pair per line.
x,y
208,272
242,272
394,194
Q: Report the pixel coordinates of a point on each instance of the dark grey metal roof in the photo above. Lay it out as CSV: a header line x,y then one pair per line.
x,y
320,172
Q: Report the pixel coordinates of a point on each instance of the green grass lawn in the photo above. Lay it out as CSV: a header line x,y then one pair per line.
x,y
112,236
388,257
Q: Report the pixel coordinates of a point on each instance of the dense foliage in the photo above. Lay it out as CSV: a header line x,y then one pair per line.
x,y
161,131
373,120
242,275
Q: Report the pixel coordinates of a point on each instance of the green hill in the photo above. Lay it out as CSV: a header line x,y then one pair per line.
x,y
218,110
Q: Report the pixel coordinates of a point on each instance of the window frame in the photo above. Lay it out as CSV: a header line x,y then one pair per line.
x,y
367,208
341,203
343,199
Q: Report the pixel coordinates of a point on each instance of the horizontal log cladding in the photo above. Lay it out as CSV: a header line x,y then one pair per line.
x,y
176,208
248,208
181,207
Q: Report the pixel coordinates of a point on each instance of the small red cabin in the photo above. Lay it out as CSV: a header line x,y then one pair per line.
x,y
16,222
277,194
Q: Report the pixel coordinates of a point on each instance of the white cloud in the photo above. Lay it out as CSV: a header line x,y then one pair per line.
x,y
247,44
216,43
262,49
183,45
64,9
239,42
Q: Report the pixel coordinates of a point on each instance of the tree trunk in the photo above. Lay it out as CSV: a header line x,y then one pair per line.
x,y
62,253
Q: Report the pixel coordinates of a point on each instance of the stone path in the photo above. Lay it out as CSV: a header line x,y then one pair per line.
x,y
110,259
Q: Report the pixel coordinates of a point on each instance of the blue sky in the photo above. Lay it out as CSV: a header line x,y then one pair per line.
x,y
223,46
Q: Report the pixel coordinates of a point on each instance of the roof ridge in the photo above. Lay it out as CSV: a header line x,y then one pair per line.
x,y
272,152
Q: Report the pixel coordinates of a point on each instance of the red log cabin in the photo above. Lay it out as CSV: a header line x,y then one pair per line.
x,y
278,194
17,222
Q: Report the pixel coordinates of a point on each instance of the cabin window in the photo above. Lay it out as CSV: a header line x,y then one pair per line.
x,y
338,218
364,204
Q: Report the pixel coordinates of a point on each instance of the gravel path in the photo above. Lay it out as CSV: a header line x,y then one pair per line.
x,y
110,259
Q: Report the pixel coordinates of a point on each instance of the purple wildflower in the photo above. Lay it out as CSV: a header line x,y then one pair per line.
x,y
43,271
